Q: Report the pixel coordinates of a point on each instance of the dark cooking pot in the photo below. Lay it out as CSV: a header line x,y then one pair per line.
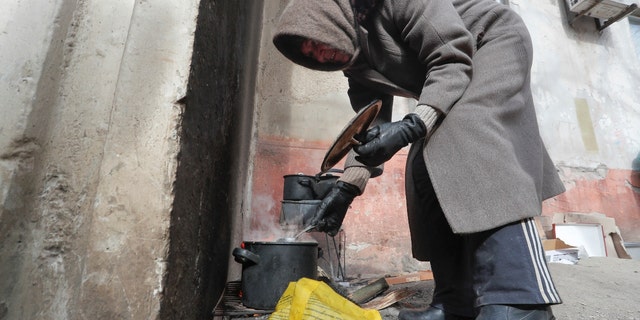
x,y
305,187
323,185
268,267
298,212
298,187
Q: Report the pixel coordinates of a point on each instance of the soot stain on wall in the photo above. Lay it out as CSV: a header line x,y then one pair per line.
x,y
212,136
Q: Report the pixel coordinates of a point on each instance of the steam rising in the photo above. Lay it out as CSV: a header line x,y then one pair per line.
x,y
267,223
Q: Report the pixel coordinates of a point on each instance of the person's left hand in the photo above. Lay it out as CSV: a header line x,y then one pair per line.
x,y
381,142
333,208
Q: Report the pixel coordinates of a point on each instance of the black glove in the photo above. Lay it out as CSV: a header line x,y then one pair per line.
x,y
381,142
333,208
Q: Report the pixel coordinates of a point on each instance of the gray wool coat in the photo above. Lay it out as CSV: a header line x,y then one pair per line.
x,y
470,60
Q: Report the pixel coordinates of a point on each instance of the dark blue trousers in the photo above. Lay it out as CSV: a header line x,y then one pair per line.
x,y
505,265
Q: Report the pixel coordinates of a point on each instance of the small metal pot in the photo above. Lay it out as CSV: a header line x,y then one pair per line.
x,y
298,213
298,187
269,267
324,184
305,187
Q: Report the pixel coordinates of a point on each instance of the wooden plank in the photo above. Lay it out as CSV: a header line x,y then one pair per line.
x,y
621,251
412,277
389,298
369,291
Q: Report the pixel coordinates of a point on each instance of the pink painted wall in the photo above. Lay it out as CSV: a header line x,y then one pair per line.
x,y
613,196
376,226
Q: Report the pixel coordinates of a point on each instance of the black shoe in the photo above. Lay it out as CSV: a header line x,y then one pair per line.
x,y
428,314
519,312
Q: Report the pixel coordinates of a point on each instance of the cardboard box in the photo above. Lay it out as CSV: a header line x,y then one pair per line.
x,y
554,244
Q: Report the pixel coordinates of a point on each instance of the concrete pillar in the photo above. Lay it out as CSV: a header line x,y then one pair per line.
x,y
211,192
90,136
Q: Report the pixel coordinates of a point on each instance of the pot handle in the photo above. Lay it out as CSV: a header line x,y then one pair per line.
x,y
245,256
328,173
305,182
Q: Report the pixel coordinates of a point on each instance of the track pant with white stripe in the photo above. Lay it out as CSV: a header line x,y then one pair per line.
x,y
505,265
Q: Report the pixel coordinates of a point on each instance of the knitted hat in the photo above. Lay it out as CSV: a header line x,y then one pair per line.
x,y
327,21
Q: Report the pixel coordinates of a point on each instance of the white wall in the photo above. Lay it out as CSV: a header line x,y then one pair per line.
x,y
582,63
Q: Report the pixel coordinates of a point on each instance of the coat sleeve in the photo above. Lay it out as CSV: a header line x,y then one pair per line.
x,y
435,32
361,96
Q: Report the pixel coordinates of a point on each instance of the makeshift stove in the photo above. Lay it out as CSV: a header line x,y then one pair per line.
x,y
302,194
268,267
230,304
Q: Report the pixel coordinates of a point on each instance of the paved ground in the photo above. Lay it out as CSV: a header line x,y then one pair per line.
x,y
594,288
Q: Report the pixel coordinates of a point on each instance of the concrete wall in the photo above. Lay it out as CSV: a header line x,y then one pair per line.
x,y
88,144
585,86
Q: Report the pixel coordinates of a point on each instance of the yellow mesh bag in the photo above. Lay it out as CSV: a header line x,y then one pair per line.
x,y
311,299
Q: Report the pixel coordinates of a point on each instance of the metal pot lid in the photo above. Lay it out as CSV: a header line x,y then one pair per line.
x,y
346,139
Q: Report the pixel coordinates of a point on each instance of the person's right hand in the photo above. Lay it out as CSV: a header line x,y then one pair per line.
x,y
381,142
333,208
